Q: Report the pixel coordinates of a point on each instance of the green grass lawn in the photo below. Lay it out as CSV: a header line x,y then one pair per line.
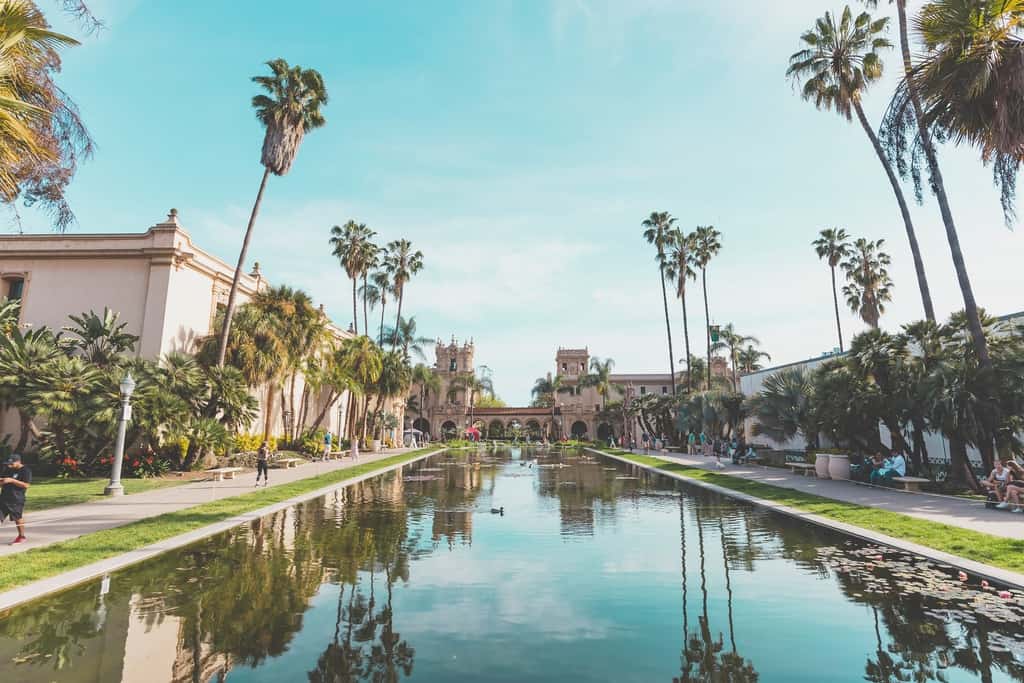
x,y
50,492
40,563
1006,553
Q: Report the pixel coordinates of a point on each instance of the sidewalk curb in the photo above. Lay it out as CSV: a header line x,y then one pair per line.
x,y
37,589
985,571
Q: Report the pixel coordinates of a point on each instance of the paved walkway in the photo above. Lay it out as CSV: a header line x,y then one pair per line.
x,y
960,512
60,524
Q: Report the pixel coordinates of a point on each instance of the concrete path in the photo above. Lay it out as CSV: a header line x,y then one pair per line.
x,y
60,524
960,512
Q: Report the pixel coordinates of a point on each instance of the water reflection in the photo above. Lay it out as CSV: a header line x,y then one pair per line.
x,y
410,576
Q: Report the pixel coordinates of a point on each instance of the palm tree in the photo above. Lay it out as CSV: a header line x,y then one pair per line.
x,y
899,121
679,269
833,245
706,244
869,286
547,389
408,339
42,137
352,244
472,384
600,377
730,340
658,231
289,110
750,359
401,263
838,64
382,281
363,362
100,339
426,380
784,407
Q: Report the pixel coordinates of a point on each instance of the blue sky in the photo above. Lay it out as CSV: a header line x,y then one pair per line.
x,y
519,144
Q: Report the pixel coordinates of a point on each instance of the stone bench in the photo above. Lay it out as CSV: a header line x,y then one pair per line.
x,y
222,473
288,463
911,483
801,468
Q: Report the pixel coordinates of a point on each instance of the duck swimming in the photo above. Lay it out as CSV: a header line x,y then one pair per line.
x,y
498,511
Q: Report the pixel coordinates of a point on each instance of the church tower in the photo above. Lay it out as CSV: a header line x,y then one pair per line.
x,y
452,358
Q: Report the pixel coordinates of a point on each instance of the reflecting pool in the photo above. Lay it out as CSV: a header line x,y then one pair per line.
x,y
596,571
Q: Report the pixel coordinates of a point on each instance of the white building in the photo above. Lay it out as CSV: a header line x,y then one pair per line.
x,y
162,285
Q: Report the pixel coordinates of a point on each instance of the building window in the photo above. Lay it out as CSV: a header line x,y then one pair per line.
x,y
578,390
643,390
565,368
14,288
597,407
451,365
664,390
583,368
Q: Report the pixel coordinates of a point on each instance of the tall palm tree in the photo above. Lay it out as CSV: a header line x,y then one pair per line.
x,y
868,285
472,384
680,269
382,281
363,362
371,255
289,110
352,244
658,228
408,339
732,341
706,244
833,245
401,263
837,65
916,120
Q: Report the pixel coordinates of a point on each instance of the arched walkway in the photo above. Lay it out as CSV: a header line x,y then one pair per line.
x,y
604,430
496,430
449,430
533,429
422,424
579,429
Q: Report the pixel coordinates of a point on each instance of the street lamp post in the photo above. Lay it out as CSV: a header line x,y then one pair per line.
x,y
114,488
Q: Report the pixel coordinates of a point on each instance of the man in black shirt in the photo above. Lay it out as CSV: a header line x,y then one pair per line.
x,y
12,494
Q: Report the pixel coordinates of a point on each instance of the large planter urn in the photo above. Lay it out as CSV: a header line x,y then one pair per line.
x,y
839,466
821,465
375,446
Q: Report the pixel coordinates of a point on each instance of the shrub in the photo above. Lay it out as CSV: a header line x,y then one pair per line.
x,y
251,442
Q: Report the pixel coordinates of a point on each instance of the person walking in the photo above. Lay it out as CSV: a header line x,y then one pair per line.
x,y
705,445
262,463
691,443
327,445
645,440
12,494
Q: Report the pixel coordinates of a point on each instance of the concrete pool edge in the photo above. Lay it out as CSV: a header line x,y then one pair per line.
x,y
985,571
54,584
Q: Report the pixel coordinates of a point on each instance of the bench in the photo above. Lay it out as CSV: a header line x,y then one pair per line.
x,y
801,468
222,473
288,463
911,483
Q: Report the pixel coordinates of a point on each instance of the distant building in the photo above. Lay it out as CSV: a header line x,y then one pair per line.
x,y
167,290
578,412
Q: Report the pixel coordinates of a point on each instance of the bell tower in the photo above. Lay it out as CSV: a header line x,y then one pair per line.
x,y
453,358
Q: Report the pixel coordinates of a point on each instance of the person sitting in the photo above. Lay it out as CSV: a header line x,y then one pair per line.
x,y
1015,486
996,484
895,466
863,471
743,456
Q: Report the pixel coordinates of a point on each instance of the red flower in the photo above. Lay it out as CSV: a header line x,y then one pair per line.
x,y
135,463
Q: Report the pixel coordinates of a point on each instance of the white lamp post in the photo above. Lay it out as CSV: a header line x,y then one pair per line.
x,y
127,387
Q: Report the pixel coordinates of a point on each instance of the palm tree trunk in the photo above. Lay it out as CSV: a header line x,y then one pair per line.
x,y
229,312
835,301
966,291
270,411
915,250
355,314
398,321
668,330
735,379
380,336
707,320
366,313
686,342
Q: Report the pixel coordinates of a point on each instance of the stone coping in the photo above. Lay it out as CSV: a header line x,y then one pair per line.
x,y
985,571
53,584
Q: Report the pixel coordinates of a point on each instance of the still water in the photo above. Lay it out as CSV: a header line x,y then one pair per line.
x,y
595,572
